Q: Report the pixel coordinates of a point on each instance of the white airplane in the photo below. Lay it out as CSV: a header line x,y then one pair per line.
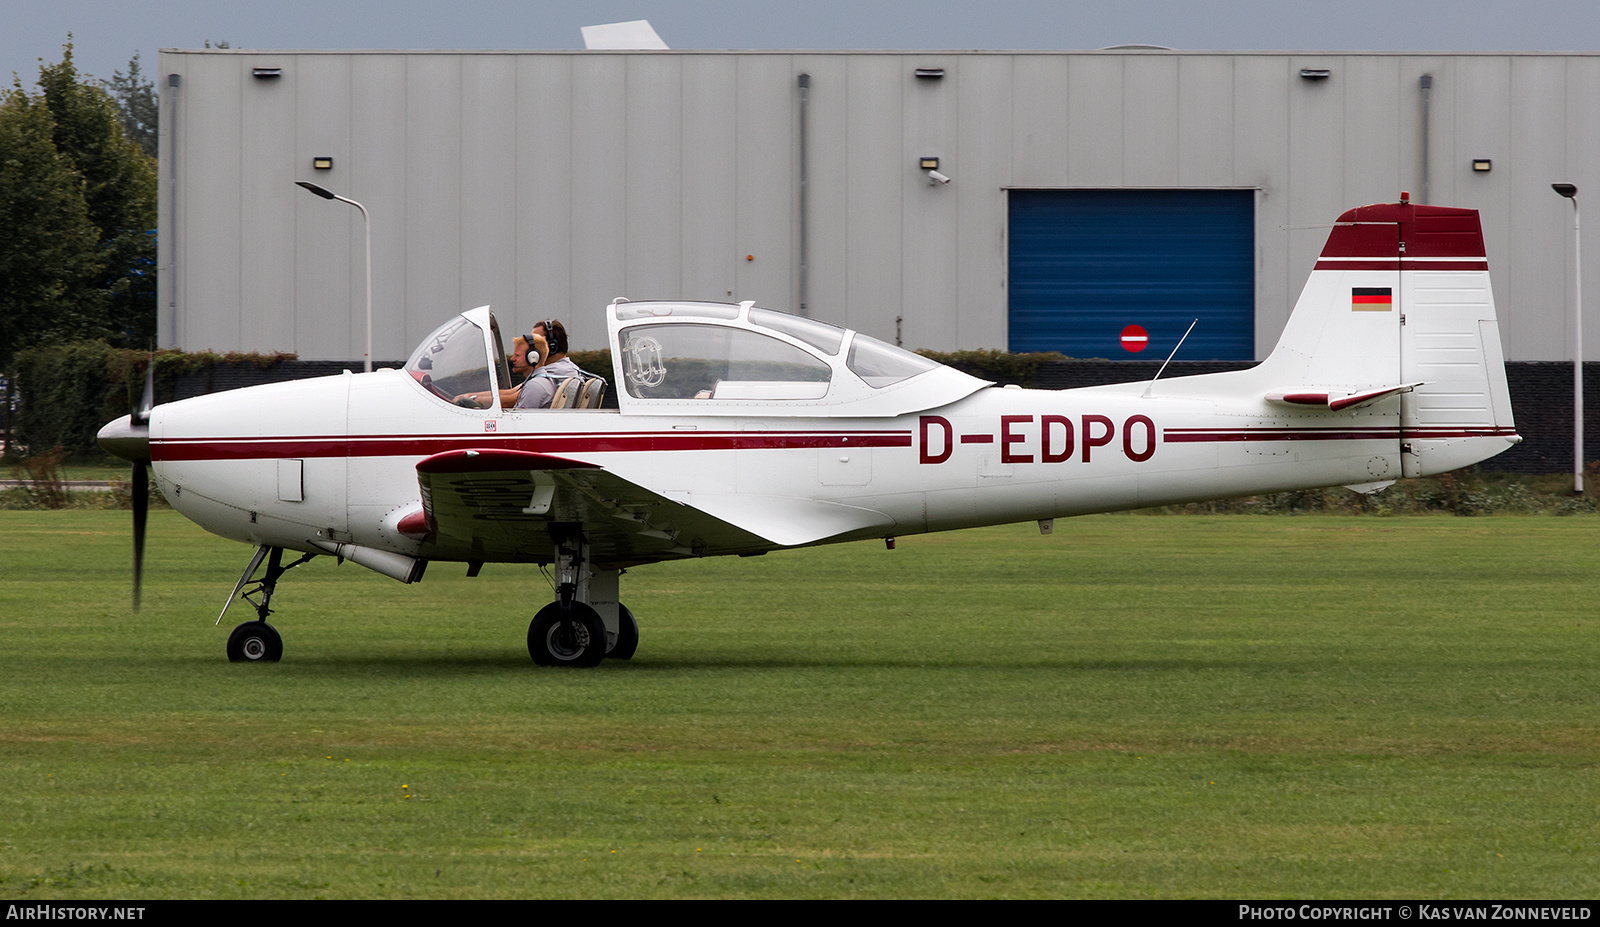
x,y
744,430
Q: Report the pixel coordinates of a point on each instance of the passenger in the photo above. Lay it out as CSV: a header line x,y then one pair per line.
x,y
549,339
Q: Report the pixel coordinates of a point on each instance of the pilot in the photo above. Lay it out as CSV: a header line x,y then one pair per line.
x,y
523,360
549,340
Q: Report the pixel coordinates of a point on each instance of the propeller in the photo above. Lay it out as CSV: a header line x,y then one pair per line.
x,y
129,438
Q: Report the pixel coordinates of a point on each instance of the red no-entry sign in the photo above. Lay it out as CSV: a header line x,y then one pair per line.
x,y
1135,338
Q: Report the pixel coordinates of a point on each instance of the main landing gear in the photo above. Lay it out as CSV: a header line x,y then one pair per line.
x,y
586,623
256,641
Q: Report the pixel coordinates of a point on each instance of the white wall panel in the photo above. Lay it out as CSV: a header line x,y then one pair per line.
x,y
1039,119
1284,254
655,207
1151,153
599,172
828,194
764,181
378,174
326,289
874,177
487,215
545,204
1205,114
1095,109
434,187
1380,131
707,158
931,213
211,309
547,183
983,162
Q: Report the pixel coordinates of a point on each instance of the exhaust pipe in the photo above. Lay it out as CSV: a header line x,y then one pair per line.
x,y
395,566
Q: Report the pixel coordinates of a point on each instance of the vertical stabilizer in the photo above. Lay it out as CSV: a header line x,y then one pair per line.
x,y
1399,305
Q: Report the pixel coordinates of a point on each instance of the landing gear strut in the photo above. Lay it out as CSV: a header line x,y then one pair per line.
x,y
256,641
585,623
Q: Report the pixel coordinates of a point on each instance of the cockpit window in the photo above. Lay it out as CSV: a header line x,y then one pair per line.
x,y
881,365
691,361
820,335
452,361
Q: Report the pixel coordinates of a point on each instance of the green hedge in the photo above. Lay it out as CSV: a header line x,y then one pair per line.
x,y
1000,366
67,392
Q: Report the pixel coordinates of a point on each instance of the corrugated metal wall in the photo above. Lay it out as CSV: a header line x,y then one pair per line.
x,y
1088,265
545,183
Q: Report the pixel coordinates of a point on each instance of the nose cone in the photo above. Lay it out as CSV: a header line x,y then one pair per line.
x,y
126,439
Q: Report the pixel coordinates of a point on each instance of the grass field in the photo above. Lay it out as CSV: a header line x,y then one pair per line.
x,y
1190,706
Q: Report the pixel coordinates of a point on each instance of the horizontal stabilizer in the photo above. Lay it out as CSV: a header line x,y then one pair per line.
x,y
1337,401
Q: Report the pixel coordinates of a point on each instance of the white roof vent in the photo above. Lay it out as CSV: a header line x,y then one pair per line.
x,y
637,35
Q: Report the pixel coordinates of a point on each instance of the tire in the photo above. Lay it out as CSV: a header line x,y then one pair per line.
x,y
627,635
255,642
581,643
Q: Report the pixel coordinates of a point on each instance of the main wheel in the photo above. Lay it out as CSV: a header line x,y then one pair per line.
x,y
579,642
627,635
255,642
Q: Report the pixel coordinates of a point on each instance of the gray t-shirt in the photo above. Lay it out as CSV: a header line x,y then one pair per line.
x,y
541,387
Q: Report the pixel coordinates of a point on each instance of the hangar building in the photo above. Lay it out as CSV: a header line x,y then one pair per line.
x,y
1087,191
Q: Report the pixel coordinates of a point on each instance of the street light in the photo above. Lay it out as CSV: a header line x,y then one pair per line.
x,y
367,221
1570,191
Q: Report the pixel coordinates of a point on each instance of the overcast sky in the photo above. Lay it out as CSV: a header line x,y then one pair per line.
x,y
106,33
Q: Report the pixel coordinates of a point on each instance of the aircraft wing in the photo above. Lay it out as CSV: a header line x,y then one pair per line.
x,y
498,505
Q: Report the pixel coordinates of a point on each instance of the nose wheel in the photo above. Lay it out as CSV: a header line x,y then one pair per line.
x,y
255,642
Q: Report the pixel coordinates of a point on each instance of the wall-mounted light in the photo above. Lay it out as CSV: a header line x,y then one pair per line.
x,y
1482,165
322,164
929,73
266,73
928,164
1315,73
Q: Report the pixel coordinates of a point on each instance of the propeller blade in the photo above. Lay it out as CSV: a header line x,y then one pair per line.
x,y
141,414
129,438
141,516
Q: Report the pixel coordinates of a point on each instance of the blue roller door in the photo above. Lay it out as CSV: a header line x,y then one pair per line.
x,y
1087,264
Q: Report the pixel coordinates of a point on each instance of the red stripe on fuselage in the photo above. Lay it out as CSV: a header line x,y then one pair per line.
x,y
1211,435
427,445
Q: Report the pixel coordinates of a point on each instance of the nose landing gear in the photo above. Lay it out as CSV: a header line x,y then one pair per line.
x,y
256,641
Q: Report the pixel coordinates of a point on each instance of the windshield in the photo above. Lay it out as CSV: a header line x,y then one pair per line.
x,y
880,364
452,361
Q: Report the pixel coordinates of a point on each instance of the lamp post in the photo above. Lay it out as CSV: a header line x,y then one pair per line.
x,y
1570,191
367,222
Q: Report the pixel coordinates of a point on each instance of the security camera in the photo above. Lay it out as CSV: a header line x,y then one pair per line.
x,y
936,177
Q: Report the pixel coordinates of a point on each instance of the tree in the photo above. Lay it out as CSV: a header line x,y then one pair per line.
x,y
137,105
49,249
119,191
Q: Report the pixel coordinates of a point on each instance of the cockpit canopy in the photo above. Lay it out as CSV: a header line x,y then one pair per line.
x,y
694,358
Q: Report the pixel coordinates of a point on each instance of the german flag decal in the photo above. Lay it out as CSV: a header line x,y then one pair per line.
x,y
1371,298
